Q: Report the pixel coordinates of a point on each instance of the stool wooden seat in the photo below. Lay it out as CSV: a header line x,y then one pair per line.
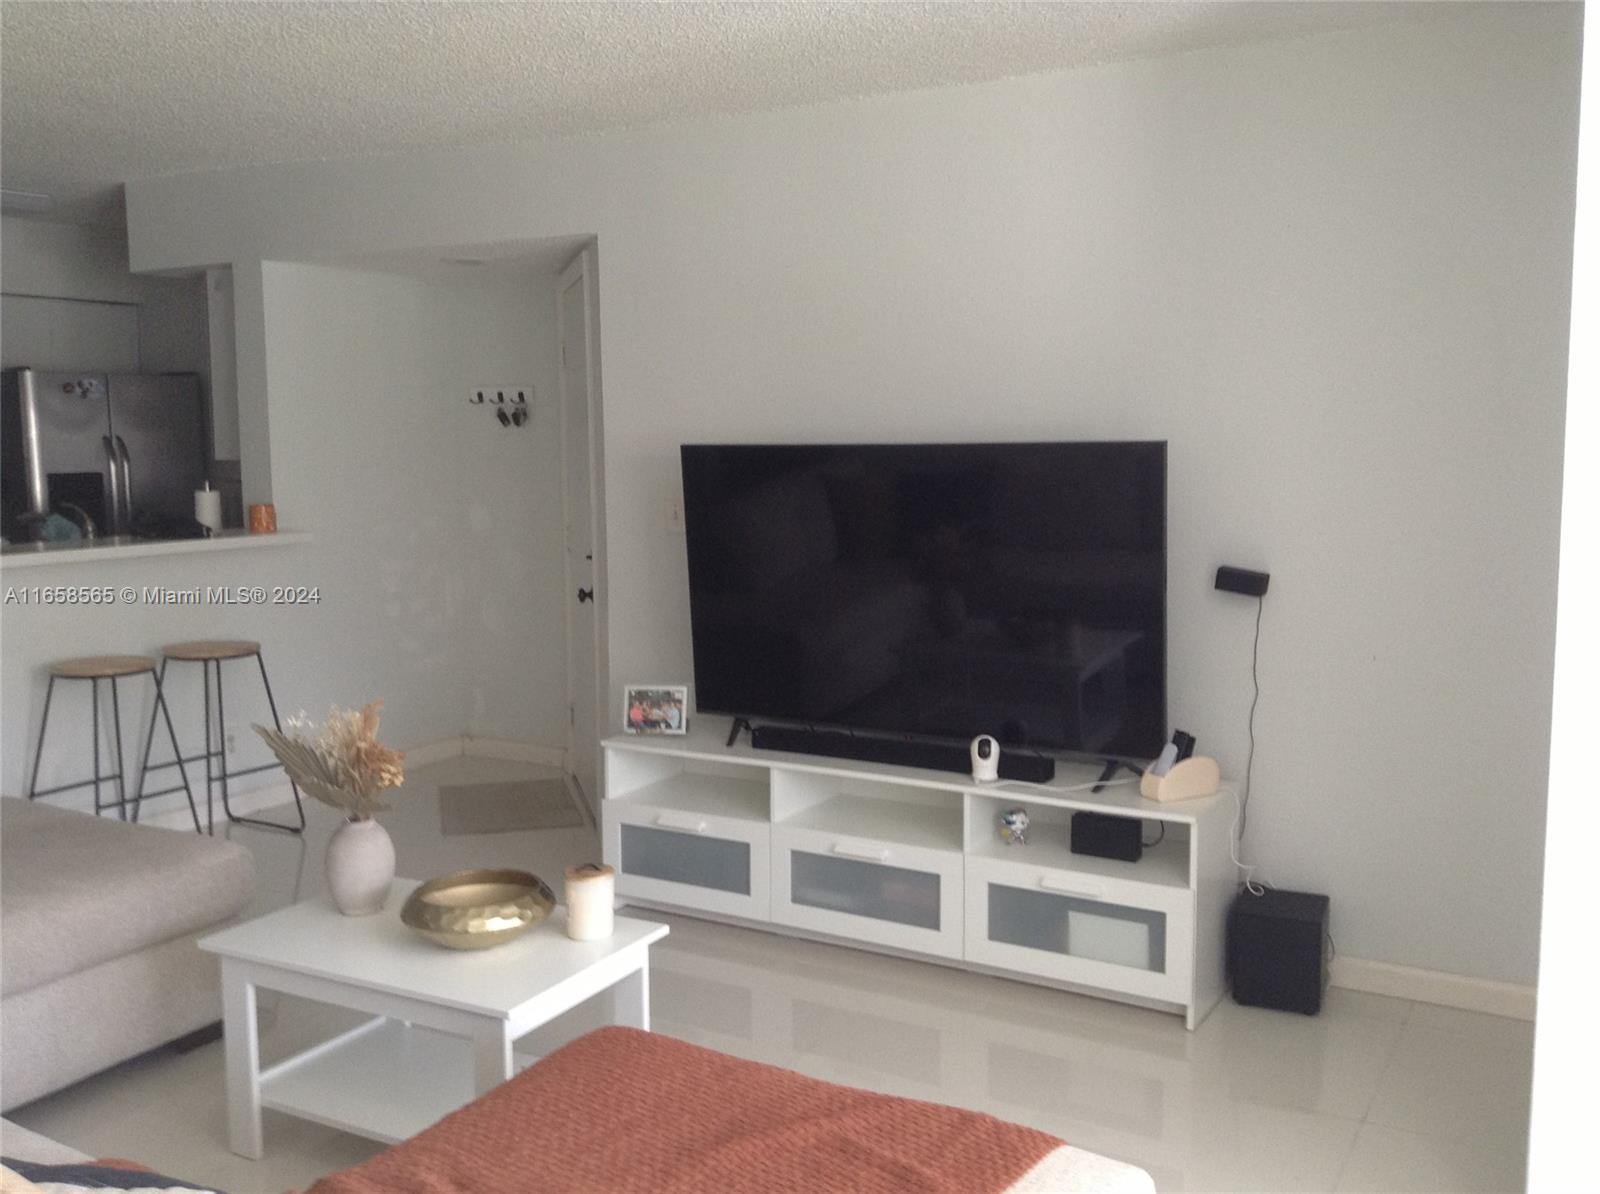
x,y
206,649
211,654
102,667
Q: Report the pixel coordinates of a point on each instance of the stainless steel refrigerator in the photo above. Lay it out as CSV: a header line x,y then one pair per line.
x,y
127,449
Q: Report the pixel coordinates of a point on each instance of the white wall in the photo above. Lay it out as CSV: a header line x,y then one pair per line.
x,y
1332,272
1567,1036
435,534
459,543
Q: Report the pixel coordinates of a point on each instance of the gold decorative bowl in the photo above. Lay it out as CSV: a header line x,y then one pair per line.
x,y
477,909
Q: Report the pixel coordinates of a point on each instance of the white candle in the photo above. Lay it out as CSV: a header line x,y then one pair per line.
x,y
208,508
591,890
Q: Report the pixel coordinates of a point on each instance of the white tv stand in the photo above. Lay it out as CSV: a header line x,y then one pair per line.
x,y
908,861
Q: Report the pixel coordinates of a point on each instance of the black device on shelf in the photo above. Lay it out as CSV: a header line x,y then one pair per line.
x,y
1277,949
1185,744
1103,836
929,593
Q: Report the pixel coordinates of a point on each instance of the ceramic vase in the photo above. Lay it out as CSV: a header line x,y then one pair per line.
x,y
360,867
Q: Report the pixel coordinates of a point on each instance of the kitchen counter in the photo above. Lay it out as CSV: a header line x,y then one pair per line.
x,y
107,549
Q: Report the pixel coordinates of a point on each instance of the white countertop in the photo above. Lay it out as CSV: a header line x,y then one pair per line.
x,y
107,550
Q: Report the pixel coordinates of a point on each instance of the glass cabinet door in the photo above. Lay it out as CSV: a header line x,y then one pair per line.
x,y
676,857
1077,927
693,860
904,896
889,893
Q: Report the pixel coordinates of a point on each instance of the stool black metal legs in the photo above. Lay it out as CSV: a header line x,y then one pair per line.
x,y
177,757
215,753
278,725
38,753
116,731
122,802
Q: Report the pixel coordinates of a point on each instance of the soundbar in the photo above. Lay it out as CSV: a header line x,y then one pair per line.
x,y
936,756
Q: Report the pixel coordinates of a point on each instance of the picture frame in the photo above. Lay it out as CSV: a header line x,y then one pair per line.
x,y
655,709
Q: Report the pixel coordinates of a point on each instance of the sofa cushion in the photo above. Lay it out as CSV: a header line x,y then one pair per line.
x,y
77,890
18,1141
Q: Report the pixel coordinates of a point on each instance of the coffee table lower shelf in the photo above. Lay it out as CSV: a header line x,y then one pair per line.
x,y
385,1080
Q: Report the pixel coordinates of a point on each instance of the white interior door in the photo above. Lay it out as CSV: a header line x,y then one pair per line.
x,y
578,472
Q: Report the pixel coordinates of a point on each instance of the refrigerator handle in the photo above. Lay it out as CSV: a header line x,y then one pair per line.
x,y
116,486
127,486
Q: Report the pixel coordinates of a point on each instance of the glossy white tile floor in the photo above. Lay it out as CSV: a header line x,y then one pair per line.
x,y
1374,1094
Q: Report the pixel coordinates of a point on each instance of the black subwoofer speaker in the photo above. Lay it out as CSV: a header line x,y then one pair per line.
x,y
1277,955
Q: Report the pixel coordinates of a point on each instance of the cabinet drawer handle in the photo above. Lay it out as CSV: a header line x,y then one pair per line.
x,y
683,821
865,853
1067,887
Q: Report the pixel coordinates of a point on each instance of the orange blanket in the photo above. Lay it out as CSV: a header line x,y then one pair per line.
x,y
626,1112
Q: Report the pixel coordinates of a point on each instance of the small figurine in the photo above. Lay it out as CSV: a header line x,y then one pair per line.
x,y
1014,827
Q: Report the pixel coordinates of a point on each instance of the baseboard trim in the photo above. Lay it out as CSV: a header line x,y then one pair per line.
x,y
434,752
519,752
1435,986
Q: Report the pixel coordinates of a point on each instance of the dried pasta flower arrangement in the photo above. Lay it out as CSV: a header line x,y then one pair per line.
x,y
341,762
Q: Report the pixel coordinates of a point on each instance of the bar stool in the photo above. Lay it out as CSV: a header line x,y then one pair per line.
x,y
95,668
208,654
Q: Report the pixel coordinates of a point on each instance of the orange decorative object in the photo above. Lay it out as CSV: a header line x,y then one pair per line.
x,y
263,518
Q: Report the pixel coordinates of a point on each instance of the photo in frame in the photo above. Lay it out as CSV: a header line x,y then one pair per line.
x,y
655,709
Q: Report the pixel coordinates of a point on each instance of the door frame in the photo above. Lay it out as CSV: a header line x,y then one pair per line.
x,y
582,269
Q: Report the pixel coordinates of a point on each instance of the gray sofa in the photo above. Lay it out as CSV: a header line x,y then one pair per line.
x,y
98,924
17,1141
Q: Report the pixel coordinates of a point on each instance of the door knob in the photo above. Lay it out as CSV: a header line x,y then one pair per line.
x,y
585,595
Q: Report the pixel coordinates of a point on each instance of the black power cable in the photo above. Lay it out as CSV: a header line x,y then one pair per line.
x,y
1255,680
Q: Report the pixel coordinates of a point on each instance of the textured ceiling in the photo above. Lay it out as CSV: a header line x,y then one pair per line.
x,y
96,93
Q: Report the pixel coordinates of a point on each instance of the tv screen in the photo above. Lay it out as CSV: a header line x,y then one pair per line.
x,y
934,590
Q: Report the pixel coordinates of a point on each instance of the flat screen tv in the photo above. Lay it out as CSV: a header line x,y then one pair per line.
x,y
934,591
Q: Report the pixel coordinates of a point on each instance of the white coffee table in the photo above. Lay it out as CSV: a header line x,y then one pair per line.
x,y
408,1066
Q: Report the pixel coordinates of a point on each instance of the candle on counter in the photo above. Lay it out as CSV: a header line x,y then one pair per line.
x,y
591,890
208,508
